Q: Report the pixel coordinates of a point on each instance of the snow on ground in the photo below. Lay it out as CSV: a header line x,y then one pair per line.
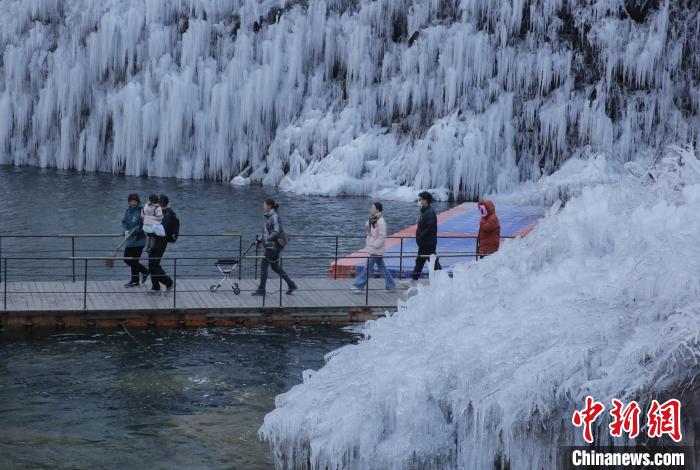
x,y
601,299
567,182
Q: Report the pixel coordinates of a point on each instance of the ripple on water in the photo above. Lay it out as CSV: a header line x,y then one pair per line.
x,y
179,398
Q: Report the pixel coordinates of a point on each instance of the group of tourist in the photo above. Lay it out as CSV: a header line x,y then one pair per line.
x,y
488,240
151,226
154,225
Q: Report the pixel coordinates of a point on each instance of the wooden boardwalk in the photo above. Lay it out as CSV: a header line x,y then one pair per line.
x,y
109,304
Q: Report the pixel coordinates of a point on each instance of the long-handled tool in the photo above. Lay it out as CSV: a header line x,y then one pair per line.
x,y
226,267
109,262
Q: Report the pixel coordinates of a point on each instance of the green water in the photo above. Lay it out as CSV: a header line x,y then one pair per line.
x,y
190,398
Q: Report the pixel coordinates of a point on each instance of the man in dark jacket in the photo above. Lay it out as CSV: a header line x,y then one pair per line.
x,y
157,250
426,234
132,226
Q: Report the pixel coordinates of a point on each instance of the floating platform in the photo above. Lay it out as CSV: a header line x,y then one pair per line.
x,y
108,304
458,229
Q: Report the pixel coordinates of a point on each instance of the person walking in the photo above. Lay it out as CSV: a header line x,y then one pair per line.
x,y
375,244
152,215
426,235
273,239
489,229
132,226
158,245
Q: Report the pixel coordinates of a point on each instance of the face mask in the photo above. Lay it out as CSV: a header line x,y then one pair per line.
x,y
483,210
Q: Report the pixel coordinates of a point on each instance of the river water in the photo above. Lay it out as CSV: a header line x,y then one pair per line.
x,y
191,398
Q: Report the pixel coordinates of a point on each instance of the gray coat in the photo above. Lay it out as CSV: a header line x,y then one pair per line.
x,y
271,230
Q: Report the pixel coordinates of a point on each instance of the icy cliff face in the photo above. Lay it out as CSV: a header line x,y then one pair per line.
x,y
601,299
345,96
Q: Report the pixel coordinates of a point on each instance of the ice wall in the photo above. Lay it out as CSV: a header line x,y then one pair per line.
x,y
345,96
484,370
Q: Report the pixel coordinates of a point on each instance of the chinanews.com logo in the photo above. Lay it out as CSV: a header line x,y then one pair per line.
x,y
659,429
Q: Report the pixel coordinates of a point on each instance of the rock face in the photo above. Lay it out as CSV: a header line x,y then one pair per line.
x,y
345,96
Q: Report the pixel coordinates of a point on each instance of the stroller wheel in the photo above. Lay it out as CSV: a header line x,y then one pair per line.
x,y
236,289
213,288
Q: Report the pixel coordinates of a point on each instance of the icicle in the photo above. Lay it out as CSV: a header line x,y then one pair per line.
x,y
202,89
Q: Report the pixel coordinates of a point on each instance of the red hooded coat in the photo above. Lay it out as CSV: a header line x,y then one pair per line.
x,y
489,230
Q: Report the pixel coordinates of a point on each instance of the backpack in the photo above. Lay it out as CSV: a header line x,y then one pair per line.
x,y
282,240
172,228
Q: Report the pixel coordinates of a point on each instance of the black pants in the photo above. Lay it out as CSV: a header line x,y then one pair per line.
x,y
423,256
136,267
157,249
272,260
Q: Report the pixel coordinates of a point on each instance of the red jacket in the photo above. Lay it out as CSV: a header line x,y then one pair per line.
x,y
489,230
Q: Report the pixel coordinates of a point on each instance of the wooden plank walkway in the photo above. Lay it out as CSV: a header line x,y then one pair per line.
x,y
190,303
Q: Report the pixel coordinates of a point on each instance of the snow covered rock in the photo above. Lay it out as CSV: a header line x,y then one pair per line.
x,y
600,299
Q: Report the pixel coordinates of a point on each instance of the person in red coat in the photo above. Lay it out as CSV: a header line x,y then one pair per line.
x,y
489,229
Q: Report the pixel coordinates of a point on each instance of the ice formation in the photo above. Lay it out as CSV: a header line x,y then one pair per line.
x,y
601,299
345,96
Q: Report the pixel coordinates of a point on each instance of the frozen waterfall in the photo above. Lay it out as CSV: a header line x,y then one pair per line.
x,y
345,96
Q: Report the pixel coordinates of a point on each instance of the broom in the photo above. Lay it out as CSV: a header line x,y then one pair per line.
x,y
109,262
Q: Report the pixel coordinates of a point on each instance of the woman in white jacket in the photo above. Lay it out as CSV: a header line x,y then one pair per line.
x,y
374,246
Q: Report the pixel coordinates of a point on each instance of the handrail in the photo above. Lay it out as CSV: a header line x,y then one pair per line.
x,y
84,260
113,235
298,257
90,253
238,234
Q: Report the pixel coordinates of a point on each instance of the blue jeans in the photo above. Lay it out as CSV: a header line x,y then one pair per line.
x,y
379,261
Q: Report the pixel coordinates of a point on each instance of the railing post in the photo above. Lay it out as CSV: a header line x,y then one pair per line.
x,y
335,264
84,285
174,283
4,286
401,260
279,260
256,265
0,257
264,295
476,254
72,253
240,257
367,284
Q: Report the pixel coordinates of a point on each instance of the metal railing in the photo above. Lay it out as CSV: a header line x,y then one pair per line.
x,y
200,245
15,270
11,287
80,246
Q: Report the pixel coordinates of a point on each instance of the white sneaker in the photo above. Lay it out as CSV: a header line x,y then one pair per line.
x,y
356,290
407,284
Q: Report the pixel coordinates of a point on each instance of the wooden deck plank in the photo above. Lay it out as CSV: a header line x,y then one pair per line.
x,y
194,294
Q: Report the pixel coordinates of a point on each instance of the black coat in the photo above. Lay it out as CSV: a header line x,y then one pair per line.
x,y
426,231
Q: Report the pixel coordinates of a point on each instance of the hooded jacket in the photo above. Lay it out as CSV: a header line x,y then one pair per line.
x,y
489,230
376,237
132,220
426,231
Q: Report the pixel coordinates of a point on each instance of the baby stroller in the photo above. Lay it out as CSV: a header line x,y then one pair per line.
x,y
226,267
